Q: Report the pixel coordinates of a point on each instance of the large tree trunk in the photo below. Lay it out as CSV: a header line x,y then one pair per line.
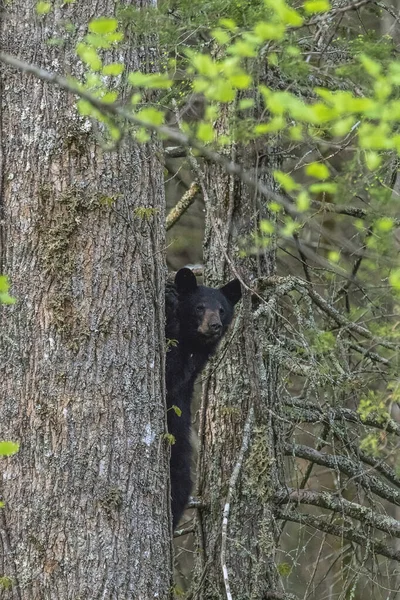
x,y
86,498
239,452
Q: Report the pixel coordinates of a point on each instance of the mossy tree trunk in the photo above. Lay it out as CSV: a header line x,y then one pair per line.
x,y
86,497
240,462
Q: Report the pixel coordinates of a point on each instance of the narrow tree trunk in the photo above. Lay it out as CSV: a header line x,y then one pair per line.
x,y
238,464
86,498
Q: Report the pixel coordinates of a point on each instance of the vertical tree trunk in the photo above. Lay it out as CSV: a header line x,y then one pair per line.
x,y
86,498
239,462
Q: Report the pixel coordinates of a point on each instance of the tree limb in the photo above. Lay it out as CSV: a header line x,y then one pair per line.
x,y
340,505
316,414
346,466
350,211
181,207
340,531
291,282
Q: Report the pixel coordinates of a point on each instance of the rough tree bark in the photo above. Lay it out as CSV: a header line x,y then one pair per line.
x,y
236,526
82,350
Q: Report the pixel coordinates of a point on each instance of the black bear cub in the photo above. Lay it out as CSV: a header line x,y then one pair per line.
x,y
197,317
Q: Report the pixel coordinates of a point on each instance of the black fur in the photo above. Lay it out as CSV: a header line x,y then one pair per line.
x,y
197,317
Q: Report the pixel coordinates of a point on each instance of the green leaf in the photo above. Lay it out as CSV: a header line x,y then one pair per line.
x,y
334,256
241,81
343,126
170,438
136,98
211,112
221,91
142,135
150,81
42,8
303,201
110,97
8,448
204,64
394,279
246,103
384,224
317,170
85,108
103,25
176,410
150,115
221,36
228,24
372,160
267,227
316,6
114,132
375,137
113,69
275,124
372,67
284,569
2,504
242,48
285,14
296,133
317,188
285,181
205,132
269,31
275,207
89,56
103,41
5,298
290,227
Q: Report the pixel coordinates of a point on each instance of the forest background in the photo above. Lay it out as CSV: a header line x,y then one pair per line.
x,y
275,127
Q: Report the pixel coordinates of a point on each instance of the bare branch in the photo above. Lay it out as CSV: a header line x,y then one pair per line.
x,y
346,466
340,505
350,211
336,11
340,531
175,152
369,354
181,207
378,464
117,112
195,503
184,531
316,414
289,283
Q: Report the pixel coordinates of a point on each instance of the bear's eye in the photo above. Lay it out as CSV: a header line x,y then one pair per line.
x,y
200,308
221,311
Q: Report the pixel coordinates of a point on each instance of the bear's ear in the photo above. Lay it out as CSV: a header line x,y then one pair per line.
x,y
185,281
232,291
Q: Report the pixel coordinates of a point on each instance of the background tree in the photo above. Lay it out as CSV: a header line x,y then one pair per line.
x,y
86,498
287,118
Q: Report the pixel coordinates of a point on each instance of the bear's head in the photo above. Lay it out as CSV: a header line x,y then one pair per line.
x,y
204,313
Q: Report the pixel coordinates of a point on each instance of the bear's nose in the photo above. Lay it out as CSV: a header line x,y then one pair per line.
x,y
216,327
